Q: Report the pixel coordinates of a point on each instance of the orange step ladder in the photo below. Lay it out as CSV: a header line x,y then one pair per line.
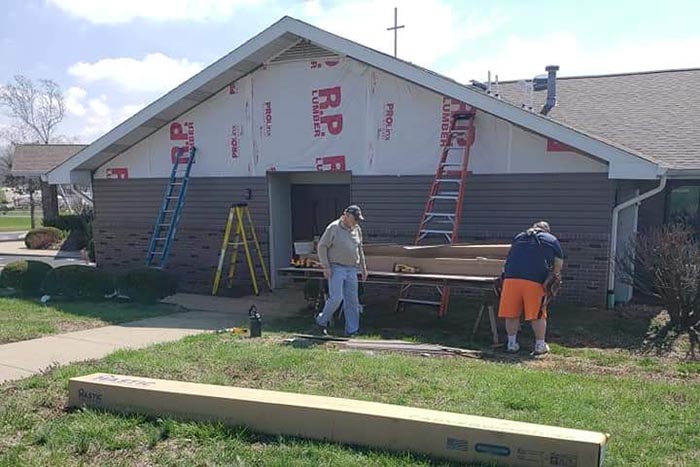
x,y
443,210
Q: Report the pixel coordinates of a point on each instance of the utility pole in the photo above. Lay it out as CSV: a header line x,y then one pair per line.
x,y
396,28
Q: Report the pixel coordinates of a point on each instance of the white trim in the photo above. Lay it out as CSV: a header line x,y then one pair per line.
x,y
623,163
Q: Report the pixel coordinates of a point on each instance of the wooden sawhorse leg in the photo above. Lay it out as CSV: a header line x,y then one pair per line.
x,y
491,310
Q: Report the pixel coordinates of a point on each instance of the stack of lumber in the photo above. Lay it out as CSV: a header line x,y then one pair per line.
x,y
307,340
458,259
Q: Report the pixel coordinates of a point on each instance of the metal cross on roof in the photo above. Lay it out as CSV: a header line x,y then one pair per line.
x,y
396,28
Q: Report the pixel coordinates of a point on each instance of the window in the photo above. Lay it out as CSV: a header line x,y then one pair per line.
x,y
683,202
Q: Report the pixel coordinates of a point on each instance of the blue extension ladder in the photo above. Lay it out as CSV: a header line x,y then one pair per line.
x,y
170,210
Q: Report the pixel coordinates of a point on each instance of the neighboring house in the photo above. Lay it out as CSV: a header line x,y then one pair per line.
x,y
299,122
35,161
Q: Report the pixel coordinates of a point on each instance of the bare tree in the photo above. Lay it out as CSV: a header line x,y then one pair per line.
x,y
664,264
37,111
39,108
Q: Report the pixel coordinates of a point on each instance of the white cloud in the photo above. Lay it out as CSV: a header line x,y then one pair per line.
x,y
74,98
156,72
521,58
91,117
434,28
121,11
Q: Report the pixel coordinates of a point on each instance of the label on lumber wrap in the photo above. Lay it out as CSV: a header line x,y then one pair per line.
x,y
563,460
454,444
492,449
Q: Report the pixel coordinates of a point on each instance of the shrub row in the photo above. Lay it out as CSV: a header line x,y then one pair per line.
x,y
32,278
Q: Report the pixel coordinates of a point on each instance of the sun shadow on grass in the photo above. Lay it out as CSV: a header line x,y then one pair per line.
x,y
107,311
569,327
154,432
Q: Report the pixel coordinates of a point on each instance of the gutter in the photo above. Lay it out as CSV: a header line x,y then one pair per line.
x,y
613,236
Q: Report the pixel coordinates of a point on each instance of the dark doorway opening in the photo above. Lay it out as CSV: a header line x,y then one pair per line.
x,y
314,206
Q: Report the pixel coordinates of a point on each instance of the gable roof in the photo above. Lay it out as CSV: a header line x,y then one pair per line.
x,y
286,33
35,160
656,113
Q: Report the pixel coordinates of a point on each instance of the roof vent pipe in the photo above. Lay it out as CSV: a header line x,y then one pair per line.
x,y
551,88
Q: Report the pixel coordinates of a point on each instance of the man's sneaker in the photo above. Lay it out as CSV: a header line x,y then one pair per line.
x,y
540,349
322,330
514,348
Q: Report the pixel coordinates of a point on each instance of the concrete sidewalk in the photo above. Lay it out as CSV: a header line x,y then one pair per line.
x,y
22,359
18,248
15,236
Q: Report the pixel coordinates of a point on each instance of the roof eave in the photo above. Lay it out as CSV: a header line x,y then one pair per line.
x,y
622,164
236,64
683,174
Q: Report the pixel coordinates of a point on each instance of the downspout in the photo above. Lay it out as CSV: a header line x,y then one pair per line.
x,y
613,236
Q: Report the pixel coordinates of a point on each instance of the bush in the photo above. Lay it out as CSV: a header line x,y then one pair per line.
x,y
664,263
25,276
68,223
43,238
77,225
147,285
91,250
77,281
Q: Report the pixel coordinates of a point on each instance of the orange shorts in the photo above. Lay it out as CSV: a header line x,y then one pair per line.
x,y
520,296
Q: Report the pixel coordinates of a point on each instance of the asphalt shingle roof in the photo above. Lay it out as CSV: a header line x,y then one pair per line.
x,y
656,113
38,159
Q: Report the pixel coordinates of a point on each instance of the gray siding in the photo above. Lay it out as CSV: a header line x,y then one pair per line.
x,y
495,208
493,204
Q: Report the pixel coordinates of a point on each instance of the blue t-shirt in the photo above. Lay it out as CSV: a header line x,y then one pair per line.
x,y
531,260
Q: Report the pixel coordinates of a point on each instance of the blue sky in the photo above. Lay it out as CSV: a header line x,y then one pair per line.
x,y
112,57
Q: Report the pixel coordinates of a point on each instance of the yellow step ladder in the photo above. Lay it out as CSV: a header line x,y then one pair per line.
x,y
240,213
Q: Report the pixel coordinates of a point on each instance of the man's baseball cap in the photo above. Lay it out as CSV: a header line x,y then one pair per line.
x,y
355,211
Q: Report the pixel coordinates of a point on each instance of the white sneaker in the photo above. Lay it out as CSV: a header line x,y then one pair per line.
x,y
513,348
540,349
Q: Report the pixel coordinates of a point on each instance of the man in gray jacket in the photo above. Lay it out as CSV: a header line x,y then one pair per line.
x,y
341,254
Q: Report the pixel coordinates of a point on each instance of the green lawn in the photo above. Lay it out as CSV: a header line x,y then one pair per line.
x,y
652,422
10,223
601,376
27,319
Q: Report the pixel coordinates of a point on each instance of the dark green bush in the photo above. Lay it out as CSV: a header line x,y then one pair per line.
x,y
43,238
147,285
68,222
25,276
77,281
77,227
91,250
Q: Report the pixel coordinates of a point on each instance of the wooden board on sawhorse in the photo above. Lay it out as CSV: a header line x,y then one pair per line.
x,y
240,213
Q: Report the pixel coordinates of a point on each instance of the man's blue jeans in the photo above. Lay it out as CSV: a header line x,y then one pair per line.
x,y
342,287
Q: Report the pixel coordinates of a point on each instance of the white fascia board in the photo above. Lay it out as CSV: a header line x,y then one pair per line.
x,y
622,164
61,174
77,177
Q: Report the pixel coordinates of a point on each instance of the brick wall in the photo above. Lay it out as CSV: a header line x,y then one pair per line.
x,y
193,258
